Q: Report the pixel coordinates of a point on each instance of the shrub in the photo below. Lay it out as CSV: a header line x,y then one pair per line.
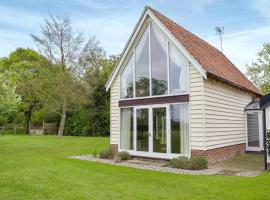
x,y
198,162
193,163
124,155
181,162
94,153
106,154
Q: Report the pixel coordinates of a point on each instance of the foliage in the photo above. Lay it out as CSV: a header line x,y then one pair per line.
x,y
9,101
268,141
94,153
259,71
70,54
193,163
198,162
93,119
124,155
181,162
22,69
105,153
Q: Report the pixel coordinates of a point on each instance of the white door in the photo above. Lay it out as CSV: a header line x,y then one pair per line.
x,y
254,140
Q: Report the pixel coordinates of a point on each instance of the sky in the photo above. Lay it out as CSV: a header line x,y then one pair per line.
x,y
246,22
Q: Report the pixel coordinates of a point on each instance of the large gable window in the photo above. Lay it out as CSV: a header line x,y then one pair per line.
x,y
142,66
178,71
127,80
159,67
158,61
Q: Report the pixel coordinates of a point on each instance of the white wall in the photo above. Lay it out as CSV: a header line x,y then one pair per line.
x,y
114,111
225,122
196,106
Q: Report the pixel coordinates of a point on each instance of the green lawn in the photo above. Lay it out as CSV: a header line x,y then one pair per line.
x,y
37,167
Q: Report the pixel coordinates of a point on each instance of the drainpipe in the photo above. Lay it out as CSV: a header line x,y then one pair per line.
x,y
264,140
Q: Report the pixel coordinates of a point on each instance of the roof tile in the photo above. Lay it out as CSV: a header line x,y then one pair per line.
x,y
211,59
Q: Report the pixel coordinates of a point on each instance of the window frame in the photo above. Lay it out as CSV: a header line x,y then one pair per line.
x,y
150,153
132,52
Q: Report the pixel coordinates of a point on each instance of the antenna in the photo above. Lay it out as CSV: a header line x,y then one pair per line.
x,y
220,32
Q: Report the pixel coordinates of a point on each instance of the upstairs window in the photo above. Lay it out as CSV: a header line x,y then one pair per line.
x,y
178,71
127,80
142,66
158,61
159,67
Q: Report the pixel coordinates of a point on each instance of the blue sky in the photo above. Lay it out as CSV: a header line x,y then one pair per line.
x,y
246,22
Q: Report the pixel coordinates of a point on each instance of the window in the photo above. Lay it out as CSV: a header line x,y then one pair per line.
x,y
179,129
126,137
158,61
142,66
127,80
155,56
178,70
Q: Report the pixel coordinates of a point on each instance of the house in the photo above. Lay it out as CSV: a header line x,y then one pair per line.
x,y
174,94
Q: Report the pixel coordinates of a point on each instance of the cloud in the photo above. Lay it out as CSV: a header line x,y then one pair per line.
x,y
263,6
241,47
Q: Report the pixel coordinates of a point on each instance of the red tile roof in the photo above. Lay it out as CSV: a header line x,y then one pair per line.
x,y
212,60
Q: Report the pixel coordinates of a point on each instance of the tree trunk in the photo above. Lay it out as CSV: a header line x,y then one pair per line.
x,y
63,120
27,116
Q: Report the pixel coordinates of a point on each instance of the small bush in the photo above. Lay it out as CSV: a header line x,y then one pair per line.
x,y
181,162
198,162
105,154
193,163
124,155
94,153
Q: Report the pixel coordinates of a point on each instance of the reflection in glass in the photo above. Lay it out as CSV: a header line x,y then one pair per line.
x,y
126,137
179,129
158,61
178,71
142,129
159,130
127,80
142,66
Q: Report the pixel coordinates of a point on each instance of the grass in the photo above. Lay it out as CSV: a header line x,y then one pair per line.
x,y
38,167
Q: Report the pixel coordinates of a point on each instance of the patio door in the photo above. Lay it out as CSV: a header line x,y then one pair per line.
x,y
254,131
151,130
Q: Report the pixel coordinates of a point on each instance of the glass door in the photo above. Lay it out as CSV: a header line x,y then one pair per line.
x,y
142,129
159,129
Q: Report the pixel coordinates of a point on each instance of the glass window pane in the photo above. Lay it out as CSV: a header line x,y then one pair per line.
x,y
142,129
178,71
253,130
126,137
142,66
179,129
127,80
159,130
158,61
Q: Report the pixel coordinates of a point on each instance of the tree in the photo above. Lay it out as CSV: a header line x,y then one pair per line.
x,y
9,100
63,88
93,119
259,71
22,68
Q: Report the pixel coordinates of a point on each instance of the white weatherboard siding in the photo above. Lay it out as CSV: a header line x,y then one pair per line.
x,y
114,111
225,121
196,106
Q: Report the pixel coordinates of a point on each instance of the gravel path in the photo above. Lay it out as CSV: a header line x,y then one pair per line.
x,y
148,167
211,171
